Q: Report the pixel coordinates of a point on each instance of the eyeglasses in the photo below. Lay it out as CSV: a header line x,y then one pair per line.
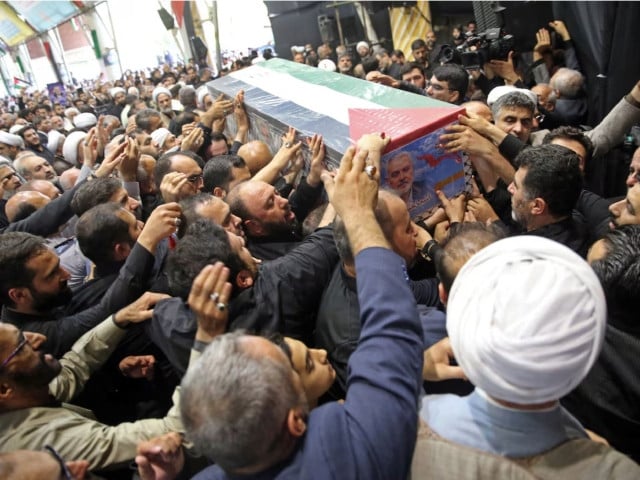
x,y
20,346
436,86
64,470
194,178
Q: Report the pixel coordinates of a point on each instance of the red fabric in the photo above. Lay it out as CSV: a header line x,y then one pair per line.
x,y
178,10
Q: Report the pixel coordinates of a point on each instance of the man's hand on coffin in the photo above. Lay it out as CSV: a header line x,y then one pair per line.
x,y
316,167
454,207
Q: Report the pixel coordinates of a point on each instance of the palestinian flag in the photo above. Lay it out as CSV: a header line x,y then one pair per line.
x,y
20,84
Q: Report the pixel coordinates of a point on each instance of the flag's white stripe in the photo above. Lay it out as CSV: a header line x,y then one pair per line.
x,y
317,98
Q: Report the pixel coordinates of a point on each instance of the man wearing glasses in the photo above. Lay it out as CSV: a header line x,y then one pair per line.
x,y
449,83
179,175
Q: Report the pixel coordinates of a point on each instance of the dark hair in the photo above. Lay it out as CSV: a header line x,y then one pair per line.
x,y
456,76
182,119
204,243
24,210
143,118
398,53
16,249
94,192
418,43
278,339
218,171
189,207
369,64
463,241
619,272
99,229
513,99
571,133
407,67
163,164
553,174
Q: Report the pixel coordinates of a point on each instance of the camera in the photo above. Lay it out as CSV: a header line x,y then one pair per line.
x,y
493,44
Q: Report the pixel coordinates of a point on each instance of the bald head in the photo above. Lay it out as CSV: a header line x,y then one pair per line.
x,y
480,109
23,204
44,187
546,96
256,155
69,177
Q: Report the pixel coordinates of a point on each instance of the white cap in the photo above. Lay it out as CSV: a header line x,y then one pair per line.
x,y
526,317
115,90
70,147
85,120
502,90
159,136
11,139
327,64
157,91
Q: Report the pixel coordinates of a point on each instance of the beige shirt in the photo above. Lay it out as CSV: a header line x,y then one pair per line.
x,y
74,435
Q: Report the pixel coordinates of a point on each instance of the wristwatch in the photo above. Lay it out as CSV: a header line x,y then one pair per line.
x,y
427,251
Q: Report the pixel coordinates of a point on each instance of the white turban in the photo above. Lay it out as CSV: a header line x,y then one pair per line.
x,y
133,91
159,136
16,128
202,92
71,110
526,317
157,91
362,44
327,65
11,139
116,90
503,90
70,147
54,138
85,120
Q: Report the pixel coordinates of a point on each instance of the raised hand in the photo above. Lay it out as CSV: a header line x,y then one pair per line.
x,y
316,167
208,299
171,184
162,222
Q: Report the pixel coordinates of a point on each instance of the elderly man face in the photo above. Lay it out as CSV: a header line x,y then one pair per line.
x,y
400,174
56,122
164,102
543,92
344,64
516,121
627,211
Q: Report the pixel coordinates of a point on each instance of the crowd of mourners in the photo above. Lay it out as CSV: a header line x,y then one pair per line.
x,y
178,301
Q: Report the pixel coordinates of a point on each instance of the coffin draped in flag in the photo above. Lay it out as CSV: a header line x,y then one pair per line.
x,y
279,94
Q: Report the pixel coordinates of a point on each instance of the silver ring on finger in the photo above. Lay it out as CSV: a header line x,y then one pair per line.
x,y
370,170
215,296
177,221
221,306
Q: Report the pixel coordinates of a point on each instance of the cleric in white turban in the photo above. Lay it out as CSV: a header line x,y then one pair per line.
x,y
526,319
